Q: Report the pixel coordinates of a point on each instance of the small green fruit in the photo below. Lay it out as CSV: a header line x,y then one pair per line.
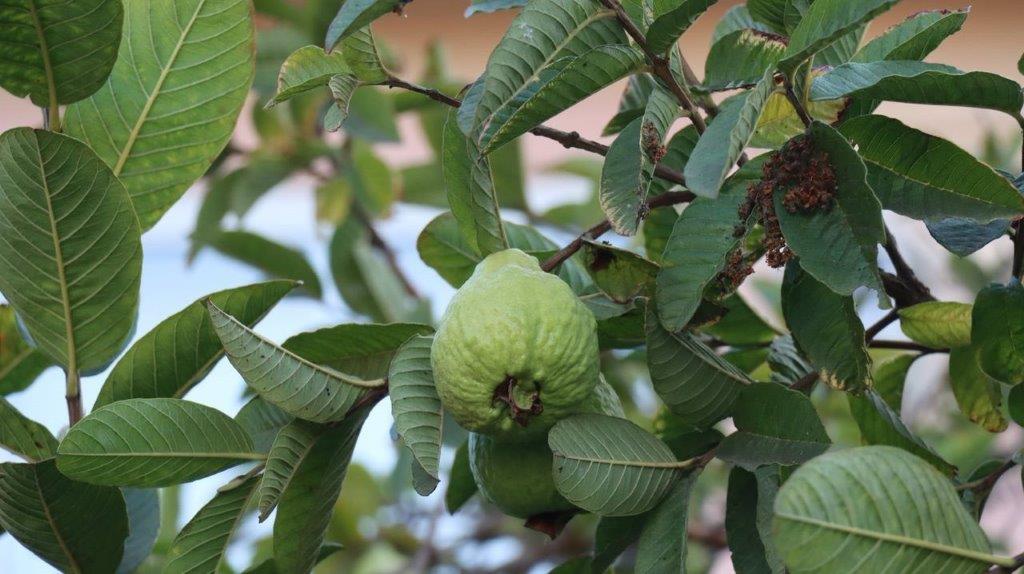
x,y
516,350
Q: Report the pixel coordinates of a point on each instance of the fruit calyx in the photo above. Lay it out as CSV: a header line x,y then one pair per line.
x,y
523,403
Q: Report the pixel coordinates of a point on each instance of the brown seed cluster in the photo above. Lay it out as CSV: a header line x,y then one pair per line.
x,y
809,182
737,269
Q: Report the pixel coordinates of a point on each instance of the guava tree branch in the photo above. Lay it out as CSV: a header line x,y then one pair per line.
x,y
873,331
905,346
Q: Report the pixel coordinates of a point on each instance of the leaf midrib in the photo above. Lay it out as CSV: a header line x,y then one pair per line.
x,y
44,50
73,563
168,454
675,464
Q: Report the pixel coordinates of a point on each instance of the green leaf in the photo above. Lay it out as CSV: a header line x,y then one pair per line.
x,y
737,18
671,19
270,567
663,540
630,162
491,6
997,330
826,327
469,185
307,68
915,37
71,261
779,121
863,506
360,51
825,22
461,485
702,240
740,58
371,117
363,350
880,423
58,53
152,442
697,385
787,363
143,508
962,236
304,512
272,258
544,32
292,445
926,177
609,466
919,83
631,104
299,387
748,516
1015,404
57,518
619,273
938,324
558,87
614,534
23,436
837,245
415,405
180,351
355,14
774,425
726,137
741,325
201,544
20,363
262,421
977,394
170,105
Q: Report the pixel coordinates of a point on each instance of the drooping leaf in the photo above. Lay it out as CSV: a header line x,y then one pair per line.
x,y
726,137
200,545
825,22
356,14
661,546
826,327
152,442
619,273
962,236
180,351
58,53
307,68
490,6
919,83
748,516
57,518
147,123
23,436
362,56
629,166
915,37
837,244
938,324
926,177
304,512
270,257
787,363
997,331
262,421
71,258
20,363
461,485
359,349
609,466
697,385
416,407
740,59
863,505
774,425
977,394
299,387
143,508
671,19
292,445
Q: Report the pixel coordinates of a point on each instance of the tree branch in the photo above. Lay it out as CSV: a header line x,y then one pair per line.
x,y
918,291
73,396
882,323
905,346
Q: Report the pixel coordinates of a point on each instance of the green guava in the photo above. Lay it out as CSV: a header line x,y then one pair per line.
x,y
516,350
516,476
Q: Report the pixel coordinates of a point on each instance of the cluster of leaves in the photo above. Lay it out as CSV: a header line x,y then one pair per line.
x,y
151,92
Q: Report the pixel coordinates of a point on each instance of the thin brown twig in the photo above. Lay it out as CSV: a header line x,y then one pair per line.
x,y
989,480
873,331
905,346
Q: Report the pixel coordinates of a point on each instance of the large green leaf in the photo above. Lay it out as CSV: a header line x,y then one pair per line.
x,y
272,258
71,258
307,68
180,351
469,185
355,14
997,330
631,105
774,425
926,177
919,83
262,421
609,466
735,19
23,436
58,53
825,22
740,59
671,19
200,545
826,327
723,142
543,33
170,105
748,515
304,512
415,405
359,349
291,447
629,166
915,37
661,547
299,387
838,245
152,442
75,527
697,385
939,324
977,394
866,506
20,363
620,273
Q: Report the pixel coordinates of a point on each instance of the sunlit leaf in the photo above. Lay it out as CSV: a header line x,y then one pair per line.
x,y
307,68
915,37
977,394
619,273
938,324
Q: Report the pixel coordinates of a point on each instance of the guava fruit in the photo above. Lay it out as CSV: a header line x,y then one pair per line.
x,y
516,350
516,476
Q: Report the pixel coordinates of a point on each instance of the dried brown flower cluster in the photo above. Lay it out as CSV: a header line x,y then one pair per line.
x,y
650,141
